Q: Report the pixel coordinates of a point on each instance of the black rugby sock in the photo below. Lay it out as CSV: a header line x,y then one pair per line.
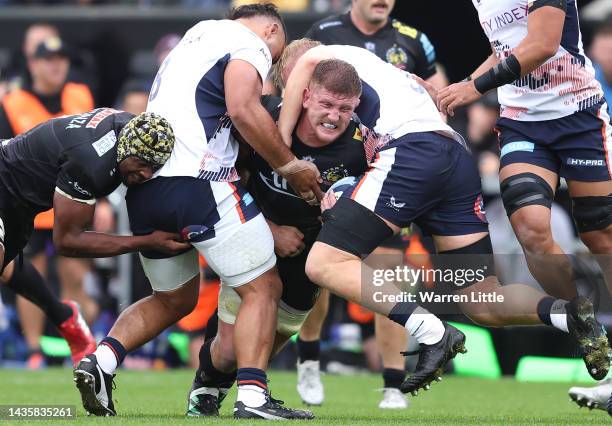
x,y
27,282
207,375
308,350
393,378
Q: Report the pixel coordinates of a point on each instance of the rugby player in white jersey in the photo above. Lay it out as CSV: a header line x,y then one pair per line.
x,y
424,174
554,123
209,81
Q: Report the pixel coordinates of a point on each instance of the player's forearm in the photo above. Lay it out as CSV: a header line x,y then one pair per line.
x,y
293,95
259,131
96,244
491,61
291,107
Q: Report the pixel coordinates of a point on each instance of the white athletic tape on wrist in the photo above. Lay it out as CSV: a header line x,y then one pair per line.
x,y
292,167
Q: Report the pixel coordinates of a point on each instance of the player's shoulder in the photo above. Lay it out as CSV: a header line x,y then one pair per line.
x,y
411,36
328,24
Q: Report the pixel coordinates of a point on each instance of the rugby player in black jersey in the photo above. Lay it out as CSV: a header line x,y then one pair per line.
x,y
329,135
368,24
66,163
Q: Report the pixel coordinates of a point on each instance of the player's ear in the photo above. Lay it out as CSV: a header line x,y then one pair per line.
x,y
272,29
306,98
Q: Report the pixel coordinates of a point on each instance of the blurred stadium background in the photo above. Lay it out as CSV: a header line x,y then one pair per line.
x,y
115,48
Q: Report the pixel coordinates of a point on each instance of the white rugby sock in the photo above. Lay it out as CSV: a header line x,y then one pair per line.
x,y
425,327
251,395
106,359
558,315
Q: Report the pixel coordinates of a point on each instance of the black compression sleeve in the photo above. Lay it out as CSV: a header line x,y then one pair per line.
x,y
505,72
559,4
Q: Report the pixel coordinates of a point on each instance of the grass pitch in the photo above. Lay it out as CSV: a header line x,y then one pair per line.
x,y
159,397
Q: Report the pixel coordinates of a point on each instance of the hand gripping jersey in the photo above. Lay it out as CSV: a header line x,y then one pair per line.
x,y
189,92
392,102
561,86
75,155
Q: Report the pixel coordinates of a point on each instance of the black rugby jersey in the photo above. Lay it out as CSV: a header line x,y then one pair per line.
x,y
76,154
396,43
347,156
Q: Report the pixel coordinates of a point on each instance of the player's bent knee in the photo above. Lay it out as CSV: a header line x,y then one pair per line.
x,y
315,267
267,286
592,213
525,189
182,301
535,235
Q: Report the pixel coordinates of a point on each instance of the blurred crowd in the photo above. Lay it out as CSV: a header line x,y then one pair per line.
x,y
320,6
47,77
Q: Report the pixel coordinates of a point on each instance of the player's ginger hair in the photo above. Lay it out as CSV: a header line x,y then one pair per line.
x,y
290,55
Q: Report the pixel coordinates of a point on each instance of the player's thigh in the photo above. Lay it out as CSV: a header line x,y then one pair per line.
x,y
458,211
241,250
592,213
171,273
182,299
585,151
385,257
405,178
527,147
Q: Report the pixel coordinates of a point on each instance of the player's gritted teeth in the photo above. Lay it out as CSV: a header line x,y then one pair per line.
x,y
329,126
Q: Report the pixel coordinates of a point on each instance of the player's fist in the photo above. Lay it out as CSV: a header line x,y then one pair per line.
x,y
166,242
304,178
328,201
288,240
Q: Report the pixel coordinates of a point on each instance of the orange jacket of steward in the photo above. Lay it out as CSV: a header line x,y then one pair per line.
x,y
25,111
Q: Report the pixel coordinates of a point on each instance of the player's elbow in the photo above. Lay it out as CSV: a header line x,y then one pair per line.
x,y
64,244
240,111
546,49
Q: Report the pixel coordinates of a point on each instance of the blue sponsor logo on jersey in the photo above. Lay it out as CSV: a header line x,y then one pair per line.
x,y
517,146
247,199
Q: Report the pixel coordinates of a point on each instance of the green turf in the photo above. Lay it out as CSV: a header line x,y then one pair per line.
x,y
148,397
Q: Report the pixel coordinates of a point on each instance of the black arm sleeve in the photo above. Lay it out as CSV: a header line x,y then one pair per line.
x,y
559,4
272,105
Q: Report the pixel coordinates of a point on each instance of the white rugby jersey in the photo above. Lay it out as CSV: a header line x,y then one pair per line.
x,y
561,86
392,102
189,92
